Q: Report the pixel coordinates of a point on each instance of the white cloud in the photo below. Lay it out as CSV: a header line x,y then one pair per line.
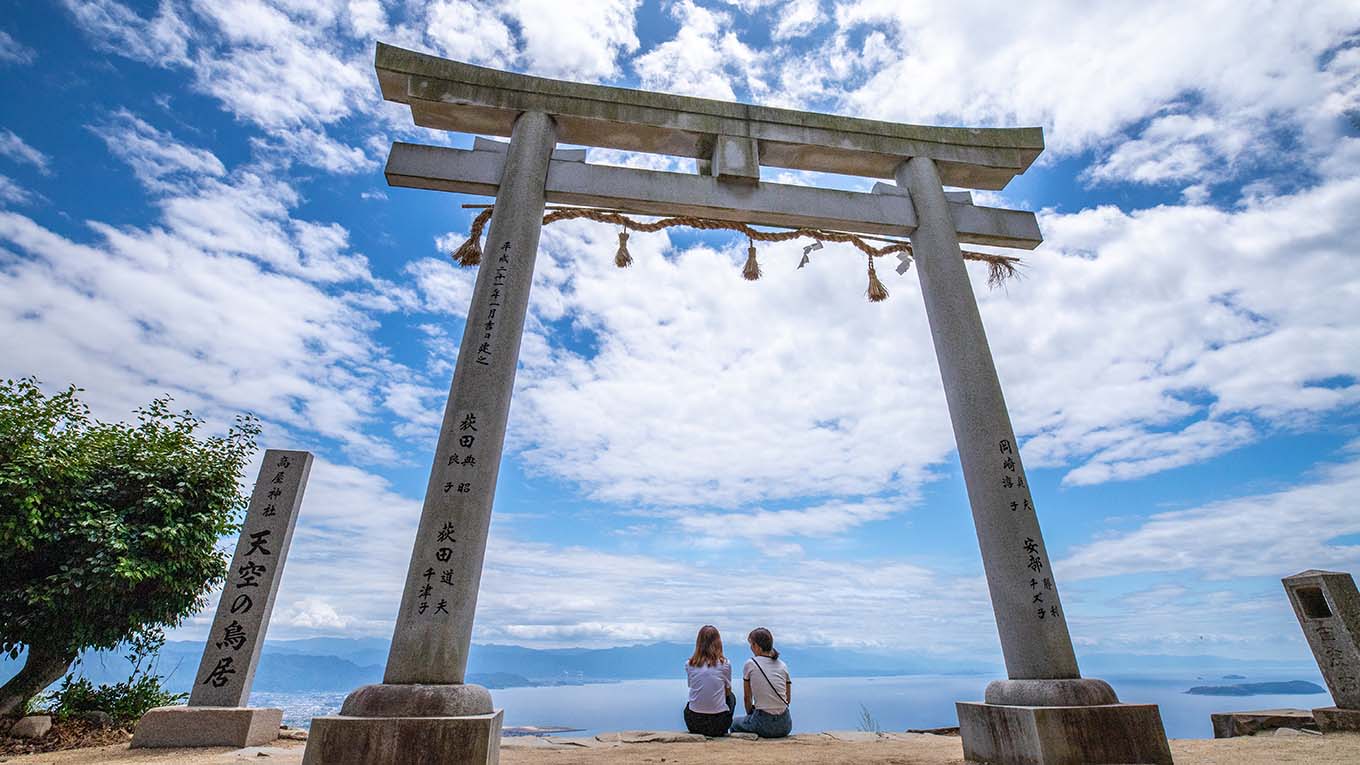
x,y
705,58
824,520
580,40
17,149
1175,147
161,40
1265,535
158,160
13,193
470,31
953,63
14,52
798,18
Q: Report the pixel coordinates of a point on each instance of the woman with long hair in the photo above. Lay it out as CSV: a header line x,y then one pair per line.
x,y
767,690
711,700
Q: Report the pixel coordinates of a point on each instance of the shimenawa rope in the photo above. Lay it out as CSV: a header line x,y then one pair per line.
x,y
999,267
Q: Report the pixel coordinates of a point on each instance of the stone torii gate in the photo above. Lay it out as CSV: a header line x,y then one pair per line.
x,y
423,711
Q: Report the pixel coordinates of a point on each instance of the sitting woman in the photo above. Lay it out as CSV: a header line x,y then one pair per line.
x,y
711,700
767,690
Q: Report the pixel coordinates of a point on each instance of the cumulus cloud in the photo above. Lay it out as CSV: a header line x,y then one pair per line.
x,y
705,58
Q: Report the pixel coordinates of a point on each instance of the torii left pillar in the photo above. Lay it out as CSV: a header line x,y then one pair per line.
x,y
423,712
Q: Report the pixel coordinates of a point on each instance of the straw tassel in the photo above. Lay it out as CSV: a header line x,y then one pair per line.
x,y
470,253
622,258
751,271
877,292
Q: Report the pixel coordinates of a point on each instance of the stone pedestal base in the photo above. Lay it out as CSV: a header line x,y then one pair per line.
x,y
207,726
1335,719
469,740
1230,724
1016,735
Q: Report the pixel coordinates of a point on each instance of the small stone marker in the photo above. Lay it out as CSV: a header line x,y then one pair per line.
x,y
1328,608
217,715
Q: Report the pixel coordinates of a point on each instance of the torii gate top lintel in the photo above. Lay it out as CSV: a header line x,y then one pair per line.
x,y
452,95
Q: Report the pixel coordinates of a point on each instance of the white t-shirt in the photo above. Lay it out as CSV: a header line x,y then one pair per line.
x,y
708,687
768,696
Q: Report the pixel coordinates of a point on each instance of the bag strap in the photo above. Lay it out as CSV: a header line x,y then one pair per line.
x,y
777,694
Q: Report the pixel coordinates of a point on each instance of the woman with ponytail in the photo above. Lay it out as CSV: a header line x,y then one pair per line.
x,y
711,701
767,690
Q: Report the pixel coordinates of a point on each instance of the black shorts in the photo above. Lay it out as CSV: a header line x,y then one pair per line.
x,y
716,724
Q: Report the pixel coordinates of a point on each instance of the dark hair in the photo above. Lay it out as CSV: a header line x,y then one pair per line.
x,y
707,648
764,640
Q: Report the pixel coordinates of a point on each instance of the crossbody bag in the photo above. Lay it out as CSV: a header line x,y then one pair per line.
x,y
777,694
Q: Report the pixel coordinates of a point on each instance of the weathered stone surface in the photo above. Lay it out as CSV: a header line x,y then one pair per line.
x,y
1029,615
292,734
33,726
1230,724
1074,692
417,700
743,736
948,730
474,740
581,743
434,623
651,737
102,719
1337,720
1328,608
1295,732
1115,733
232,652
207,726
451,95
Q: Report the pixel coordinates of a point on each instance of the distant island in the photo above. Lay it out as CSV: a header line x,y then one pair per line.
x,y
1256,689
1234,677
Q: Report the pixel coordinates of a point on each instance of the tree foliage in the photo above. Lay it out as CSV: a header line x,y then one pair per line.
x,y
107,530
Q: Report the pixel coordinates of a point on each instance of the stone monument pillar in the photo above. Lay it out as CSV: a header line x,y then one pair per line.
x,y
1045,712
1328,608
216,714
423,712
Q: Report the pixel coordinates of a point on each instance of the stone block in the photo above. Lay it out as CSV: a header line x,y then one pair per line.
x,y
1230,724
1015,735
33,726
1327,605
470,740
1337,720
181,726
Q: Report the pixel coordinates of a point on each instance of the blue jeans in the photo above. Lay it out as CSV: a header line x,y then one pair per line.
x,y
764,724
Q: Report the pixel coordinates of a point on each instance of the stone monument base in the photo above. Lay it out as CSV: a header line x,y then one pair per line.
x,y
1249,723
1337,720
468,740
1074,735
179,726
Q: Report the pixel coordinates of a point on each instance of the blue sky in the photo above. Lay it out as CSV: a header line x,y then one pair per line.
x,y
192,203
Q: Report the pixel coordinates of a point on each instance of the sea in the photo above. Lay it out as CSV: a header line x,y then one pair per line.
x,y
820,703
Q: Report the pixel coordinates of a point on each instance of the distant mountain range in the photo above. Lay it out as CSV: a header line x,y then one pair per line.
x,y
342,664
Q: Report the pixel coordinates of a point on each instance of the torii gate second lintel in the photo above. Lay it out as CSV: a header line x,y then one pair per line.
x,y
424,679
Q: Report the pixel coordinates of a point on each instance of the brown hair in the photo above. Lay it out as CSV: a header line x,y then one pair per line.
x,y
762,638
707,648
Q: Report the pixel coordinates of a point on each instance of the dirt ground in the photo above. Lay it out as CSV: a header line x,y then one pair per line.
x,y
814,749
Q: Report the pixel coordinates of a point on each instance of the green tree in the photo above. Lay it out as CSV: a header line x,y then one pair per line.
x,y
108,531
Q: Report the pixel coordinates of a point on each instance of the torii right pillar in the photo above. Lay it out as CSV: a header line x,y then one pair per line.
x,y
1045,713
